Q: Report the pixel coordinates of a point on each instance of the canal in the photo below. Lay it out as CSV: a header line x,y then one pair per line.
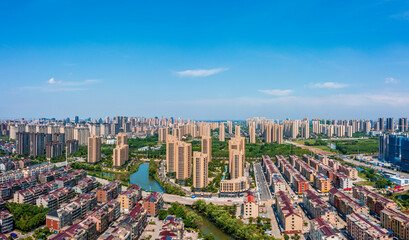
x,y
206,227
147,183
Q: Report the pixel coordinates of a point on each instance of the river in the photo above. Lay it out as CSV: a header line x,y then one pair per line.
x,y
207,227
147,183
142,179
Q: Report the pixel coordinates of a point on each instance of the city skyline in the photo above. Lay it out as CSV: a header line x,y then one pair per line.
x,y
208,61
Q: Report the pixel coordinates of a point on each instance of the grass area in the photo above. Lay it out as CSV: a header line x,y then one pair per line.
x,y
365,183
401,198
345,146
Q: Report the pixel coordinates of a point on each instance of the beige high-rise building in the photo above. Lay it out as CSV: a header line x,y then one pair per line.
x,y
237,131
81,134
207,147
222,132
237,163
305,130
252,132
179,157
273,133
280,132
230,127
121,151
237,157
94,149
171,142
176,132
183,160
200,170
162,134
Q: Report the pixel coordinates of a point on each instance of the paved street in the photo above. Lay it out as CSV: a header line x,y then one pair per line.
x,y
275,230
345,158
262,187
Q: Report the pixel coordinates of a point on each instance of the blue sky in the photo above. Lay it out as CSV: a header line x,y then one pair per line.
x,y
204,60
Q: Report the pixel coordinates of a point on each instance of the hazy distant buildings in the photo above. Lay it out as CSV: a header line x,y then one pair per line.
x,y
53,149
162,134
252,132
305,130
273,133
81,134
237,131
94,149
200,170
230,127
121,151
403,124
381,124
222,132
390,124
72,146
23,147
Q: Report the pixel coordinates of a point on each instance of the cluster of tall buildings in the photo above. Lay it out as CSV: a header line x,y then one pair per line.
x,y
395,149
121,151
40,144
179,160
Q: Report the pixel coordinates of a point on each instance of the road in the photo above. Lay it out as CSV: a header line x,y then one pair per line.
x,y
264,193
346,159
275,230
184,200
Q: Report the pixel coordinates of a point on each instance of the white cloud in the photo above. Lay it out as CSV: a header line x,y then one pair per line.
x,y
276,92
200,72
401,16
60,86
391,80
329,85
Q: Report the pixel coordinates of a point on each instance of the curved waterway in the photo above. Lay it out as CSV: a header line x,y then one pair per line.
x,y
146,182
207,227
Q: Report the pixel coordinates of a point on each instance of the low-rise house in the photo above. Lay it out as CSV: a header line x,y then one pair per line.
x,y
56,220
172,228
345,204
108,192
360,227
289,215
153,203
249,208
135,222
6,222
116,233
317,207
322,230
395,221
375,202
48,201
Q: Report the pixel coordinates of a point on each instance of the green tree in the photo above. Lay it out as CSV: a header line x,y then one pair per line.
x,y
162,214
209,237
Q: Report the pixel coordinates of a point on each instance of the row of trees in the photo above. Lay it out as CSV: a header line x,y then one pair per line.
x,y
223,217
86,166
153,172
26,216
